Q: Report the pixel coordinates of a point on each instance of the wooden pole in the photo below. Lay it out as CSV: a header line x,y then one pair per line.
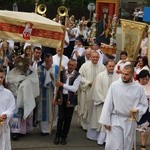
x,y
36,5
58,79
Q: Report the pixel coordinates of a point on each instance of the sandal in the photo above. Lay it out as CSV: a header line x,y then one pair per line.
x,y
143,147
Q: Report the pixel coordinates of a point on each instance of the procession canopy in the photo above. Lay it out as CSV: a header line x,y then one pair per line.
x,y
132,33
30,27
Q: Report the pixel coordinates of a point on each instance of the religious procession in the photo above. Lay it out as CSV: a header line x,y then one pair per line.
x,y
96,67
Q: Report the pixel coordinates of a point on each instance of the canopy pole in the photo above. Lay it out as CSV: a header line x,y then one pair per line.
x,y
58,78
36,5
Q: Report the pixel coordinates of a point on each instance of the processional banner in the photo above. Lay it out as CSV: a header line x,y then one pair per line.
x,y
30,27
132,33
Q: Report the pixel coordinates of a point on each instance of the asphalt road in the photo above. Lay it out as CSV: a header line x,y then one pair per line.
x,y
76,140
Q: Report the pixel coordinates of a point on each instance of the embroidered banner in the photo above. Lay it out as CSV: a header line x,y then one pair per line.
x,y
30,27
132,33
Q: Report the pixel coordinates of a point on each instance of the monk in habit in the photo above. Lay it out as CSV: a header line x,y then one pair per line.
x,y
124,105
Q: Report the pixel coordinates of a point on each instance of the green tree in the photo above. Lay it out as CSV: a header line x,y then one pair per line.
x,y
76,2
148,2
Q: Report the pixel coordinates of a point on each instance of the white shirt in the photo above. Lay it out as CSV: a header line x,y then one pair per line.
x,y
79,32
11,44
79,49
72,34
66,39
35,64
72,88
120,65
138,70
56,60
144,46
144,42
34,45
140,14
101,55
136,13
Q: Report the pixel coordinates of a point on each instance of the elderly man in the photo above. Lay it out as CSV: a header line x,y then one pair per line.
x,y
66,100
101,85
88,72
124,105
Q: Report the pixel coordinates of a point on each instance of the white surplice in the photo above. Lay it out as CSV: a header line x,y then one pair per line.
x,y
7,106
25,88
64,63
101,86
120,99
88,72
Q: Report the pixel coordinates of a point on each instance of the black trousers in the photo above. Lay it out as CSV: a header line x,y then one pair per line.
x,y
64,119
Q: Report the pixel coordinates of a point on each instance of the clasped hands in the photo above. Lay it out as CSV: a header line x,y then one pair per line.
x,y
90,84
3,117
133,113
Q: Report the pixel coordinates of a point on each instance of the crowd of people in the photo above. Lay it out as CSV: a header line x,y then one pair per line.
x,y
110,97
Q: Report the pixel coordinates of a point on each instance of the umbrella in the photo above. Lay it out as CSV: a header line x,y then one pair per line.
x,y
30,27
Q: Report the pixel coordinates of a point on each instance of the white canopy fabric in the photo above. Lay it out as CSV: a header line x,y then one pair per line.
x,y
30,27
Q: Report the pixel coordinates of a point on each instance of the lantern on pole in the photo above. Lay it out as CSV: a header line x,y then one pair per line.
x,y
91,8
15,7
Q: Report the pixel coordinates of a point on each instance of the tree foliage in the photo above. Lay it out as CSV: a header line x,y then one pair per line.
x,y
77,2
148,2
67,2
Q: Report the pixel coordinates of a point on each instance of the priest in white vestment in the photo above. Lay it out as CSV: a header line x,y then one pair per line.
x,y
7,106
124,105
88,71
101,85
24,84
